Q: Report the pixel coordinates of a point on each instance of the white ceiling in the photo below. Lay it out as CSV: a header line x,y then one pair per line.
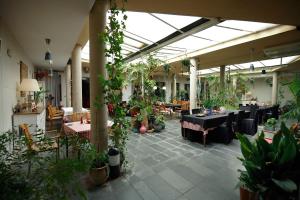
x,y
32,21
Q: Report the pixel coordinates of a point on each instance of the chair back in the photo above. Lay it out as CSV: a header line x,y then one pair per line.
x,y
185,106
77,116
174,101
275,111
240,116
185,112
229,119
196,110
25,130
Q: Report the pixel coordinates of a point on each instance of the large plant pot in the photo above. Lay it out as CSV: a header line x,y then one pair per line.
x,y
247,195
114,163
99,175
143,129
157,127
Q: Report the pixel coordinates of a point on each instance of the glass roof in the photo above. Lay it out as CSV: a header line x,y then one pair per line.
x,y
144,29
257,64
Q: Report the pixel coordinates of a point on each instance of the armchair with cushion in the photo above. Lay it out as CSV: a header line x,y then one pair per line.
x,y
224,132
237,124
249,125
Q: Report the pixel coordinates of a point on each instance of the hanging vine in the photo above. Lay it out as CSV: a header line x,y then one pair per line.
x,y
113,37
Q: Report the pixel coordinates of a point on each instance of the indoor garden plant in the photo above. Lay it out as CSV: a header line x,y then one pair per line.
x,y
272,171
99,169
270,124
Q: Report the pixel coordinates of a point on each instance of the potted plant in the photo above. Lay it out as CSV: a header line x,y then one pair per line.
x,y
270,124
159,123
208,105
272,171
99,169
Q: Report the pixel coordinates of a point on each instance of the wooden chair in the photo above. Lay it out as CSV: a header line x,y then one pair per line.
x,y
78,115
39,145
54,114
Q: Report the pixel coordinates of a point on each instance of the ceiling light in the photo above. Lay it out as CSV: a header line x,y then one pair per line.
x,y
263,71
48,57
251,67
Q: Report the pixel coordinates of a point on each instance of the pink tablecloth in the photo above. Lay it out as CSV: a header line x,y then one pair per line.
x,y
84,130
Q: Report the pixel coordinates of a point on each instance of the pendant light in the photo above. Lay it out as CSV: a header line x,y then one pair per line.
x,y
251,65
48,56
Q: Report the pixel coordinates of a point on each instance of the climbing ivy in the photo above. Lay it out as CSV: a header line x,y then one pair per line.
x,y
113,37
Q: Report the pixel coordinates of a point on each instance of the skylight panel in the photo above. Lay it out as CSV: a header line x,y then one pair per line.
x,y
271,62
147,26
137,38
85,52
246,25
133,43
289,59
192,43
247,65
206,71
176,20
220,34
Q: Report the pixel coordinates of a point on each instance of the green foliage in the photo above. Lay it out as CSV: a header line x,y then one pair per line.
x,y
294,112
46,178
271,122
113,37
159,119
40,95
271,170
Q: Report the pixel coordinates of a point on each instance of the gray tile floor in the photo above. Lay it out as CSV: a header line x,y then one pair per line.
x,y
164,166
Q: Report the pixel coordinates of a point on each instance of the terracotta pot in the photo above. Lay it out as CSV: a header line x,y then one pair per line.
x,y
247,195
143,129
99,175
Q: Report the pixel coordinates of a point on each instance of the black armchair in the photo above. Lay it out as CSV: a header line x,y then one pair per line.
x,y
224,132
196,110
273,113
249,125
237,124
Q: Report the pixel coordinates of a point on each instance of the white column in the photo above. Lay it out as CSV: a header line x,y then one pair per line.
x,y
174,87
274,88
99,115
68,84
193,84
76,79
234,80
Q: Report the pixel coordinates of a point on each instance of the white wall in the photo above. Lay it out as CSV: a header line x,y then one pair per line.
x,y
263,91
10,75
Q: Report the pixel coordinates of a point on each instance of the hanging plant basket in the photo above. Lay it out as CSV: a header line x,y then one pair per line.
x,y
167,68
186,63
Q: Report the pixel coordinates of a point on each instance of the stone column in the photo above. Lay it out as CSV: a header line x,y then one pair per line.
x,y
274,88
76,79
174,87
99,114
222,77
68,84
234,80
193,84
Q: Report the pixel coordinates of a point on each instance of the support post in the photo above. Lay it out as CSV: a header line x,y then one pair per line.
x,y
99,114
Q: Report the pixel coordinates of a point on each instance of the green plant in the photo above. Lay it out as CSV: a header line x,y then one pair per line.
x,y
39,95
208,103
100,159
159,119
113,37
294,87
47,178
167,68
271,170
271,122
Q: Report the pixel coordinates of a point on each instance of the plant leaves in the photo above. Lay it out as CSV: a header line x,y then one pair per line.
x,y
287,185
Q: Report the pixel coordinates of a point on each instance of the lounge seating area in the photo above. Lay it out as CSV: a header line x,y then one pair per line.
x,y
160,100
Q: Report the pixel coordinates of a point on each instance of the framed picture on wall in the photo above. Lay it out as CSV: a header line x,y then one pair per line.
x,y
23,74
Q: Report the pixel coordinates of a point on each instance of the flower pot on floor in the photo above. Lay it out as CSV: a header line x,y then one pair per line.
x,y
99,175
114,163
247,195
157,127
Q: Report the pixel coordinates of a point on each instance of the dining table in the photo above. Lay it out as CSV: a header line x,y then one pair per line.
x,y
204,122
82,130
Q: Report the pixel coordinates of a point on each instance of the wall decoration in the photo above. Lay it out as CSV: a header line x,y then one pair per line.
x,y
23,74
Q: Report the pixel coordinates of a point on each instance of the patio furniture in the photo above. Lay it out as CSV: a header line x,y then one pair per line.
x,y
249,125
196,110
237,124
54,114
224,132
37,144
201,124
273,112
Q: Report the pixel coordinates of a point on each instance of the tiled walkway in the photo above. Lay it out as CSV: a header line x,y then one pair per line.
x,y
165,166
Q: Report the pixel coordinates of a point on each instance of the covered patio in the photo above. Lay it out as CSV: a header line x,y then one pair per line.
x,y
150,100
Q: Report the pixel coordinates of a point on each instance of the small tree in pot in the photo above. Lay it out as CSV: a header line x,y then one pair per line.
x,y
99,169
